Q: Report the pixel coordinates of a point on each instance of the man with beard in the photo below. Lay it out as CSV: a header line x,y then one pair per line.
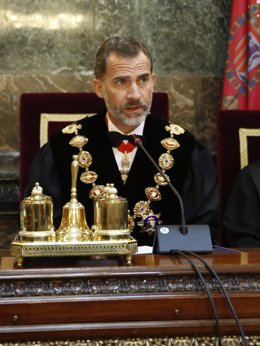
x,y
124,78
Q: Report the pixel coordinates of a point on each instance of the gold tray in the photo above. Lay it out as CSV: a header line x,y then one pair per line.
x,y
125,248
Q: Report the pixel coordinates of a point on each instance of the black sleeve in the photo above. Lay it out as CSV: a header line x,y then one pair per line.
x,y
242,215
200,192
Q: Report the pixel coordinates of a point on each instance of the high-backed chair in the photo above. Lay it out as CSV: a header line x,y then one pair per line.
x,y
238,144
43,114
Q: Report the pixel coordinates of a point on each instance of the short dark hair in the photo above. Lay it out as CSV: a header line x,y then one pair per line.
x,y
123,46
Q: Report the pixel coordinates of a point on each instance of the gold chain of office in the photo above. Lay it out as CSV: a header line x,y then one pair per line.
x,y
143,215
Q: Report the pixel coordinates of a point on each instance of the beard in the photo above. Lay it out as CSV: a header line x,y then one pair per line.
x,y
136,118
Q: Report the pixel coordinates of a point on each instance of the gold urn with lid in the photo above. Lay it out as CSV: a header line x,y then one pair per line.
x,y
111,216
36,217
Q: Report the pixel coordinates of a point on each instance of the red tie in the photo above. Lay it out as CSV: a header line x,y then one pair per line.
x,y
126,147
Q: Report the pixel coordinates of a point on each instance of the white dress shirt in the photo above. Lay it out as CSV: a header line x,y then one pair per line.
x,y
118,155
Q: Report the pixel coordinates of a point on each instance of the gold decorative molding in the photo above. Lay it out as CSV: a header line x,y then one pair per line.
x,y
46,118
232,340
164,284
244,133
124,248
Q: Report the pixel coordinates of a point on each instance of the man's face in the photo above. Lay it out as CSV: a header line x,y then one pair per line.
x,y
127,88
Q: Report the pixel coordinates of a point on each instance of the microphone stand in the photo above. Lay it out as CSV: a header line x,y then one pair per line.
x,y
184,237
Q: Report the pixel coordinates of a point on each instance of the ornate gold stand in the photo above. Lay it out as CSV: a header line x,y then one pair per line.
x,y
111,236
124,249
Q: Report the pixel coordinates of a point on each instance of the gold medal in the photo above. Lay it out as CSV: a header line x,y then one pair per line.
x,y
88,177
159,179
141,208
174,129
78,141
72,128
125,164
170,143
97,191
85,159
150,222
153,194
166,161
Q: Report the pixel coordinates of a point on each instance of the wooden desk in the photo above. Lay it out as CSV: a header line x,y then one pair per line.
x,y
157,300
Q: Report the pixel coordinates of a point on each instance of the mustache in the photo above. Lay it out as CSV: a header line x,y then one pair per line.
x,y
134,104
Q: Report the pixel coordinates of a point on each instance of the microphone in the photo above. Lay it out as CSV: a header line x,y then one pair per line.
x,y
183,237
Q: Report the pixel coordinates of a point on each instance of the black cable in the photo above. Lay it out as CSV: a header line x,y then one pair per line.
x,y
212,304
213,272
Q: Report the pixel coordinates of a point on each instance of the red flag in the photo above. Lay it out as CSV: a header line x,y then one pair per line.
x,y
241,86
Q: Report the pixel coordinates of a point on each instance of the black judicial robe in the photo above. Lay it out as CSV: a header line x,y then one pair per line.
x,y
140,176
242,214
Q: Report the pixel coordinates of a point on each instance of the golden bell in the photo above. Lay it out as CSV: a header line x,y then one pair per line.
x,y
111,216
36,217
74,227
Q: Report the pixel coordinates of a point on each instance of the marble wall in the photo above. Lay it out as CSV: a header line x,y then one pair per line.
x,y
49,45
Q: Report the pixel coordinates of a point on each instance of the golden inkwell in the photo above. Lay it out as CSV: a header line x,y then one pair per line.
x,y
111,216
36,217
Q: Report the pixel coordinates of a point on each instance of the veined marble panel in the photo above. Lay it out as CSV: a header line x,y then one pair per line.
x,y
62,36
186,35
194,104
42,36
